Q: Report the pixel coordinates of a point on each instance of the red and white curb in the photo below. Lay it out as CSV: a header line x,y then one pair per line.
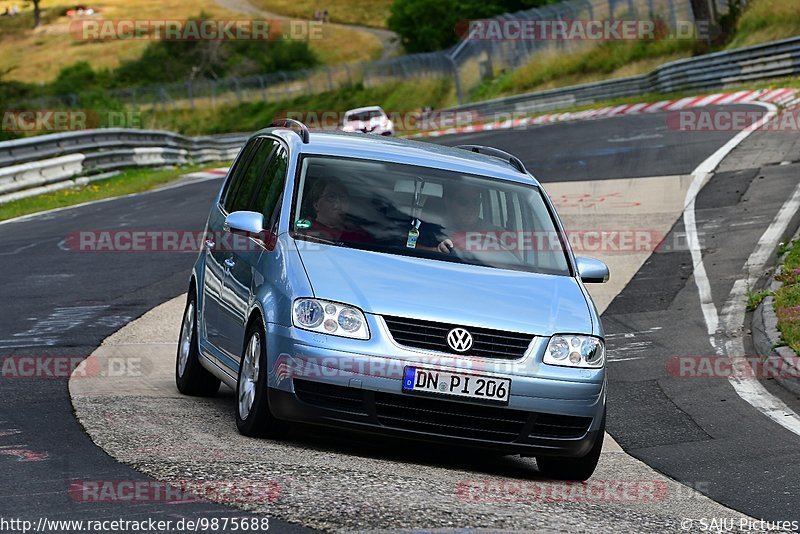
x,y
208,174
782,97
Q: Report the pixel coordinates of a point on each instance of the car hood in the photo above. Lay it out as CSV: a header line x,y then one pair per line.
x,y
388,284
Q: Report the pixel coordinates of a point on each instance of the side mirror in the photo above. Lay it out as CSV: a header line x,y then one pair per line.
x,y
592,271
247,223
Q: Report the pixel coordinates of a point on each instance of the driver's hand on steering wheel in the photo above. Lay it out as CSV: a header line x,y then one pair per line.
x,y
445,246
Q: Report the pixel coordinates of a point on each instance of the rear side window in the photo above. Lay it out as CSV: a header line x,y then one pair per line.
x,y
241,193
238,170
272,183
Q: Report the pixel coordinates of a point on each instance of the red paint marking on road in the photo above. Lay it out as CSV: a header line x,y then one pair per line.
x,y
25,455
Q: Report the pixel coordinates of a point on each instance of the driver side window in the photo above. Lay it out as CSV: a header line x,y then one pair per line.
x,y
244,185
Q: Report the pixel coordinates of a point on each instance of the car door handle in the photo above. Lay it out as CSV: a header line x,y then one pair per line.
x,y
210,244
229,263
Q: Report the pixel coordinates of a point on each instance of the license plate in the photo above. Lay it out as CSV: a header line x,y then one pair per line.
x,y
430,381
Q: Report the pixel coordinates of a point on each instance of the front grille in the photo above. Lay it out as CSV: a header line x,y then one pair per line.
x,y
487,343
449,418
329,396
560,426
441,416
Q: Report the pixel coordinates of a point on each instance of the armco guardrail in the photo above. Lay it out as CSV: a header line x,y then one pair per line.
x,y
38,162
707,72
49,162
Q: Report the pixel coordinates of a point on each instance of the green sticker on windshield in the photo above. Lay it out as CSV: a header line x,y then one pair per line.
x,y
302,224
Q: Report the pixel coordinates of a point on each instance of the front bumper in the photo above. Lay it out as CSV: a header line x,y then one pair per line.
x,y
341,388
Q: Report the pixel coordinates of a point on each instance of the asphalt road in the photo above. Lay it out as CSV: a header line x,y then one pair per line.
x,y
620,147
59,302
696,430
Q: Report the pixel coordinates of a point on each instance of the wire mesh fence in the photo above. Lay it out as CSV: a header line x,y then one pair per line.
x,y
467,64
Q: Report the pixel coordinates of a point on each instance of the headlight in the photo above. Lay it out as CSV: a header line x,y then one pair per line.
x,y
330,318
569,350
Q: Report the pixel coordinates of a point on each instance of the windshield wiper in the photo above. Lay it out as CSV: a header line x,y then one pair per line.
x,y
320,239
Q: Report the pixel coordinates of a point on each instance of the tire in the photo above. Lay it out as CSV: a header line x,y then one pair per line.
x,y
190,376
578,469
253,416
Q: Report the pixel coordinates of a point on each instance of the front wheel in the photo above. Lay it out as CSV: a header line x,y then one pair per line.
x,y
578,469
190,376
253,416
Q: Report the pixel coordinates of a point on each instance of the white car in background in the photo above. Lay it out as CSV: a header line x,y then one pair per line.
x,y
371,119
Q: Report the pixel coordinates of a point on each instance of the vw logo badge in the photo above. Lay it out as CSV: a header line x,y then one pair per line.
x,y
459,340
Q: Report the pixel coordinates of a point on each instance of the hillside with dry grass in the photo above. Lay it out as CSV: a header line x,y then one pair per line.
x,y
37,55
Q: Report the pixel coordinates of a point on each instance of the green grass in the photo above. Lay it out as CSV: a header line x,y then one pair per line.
x,y
250,116
787,298
614,59
129,181
755,298
767,20
762,21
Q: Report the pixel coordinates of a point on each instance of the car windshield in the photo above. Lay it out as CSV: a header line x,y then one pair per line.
x,y
429,213
364,115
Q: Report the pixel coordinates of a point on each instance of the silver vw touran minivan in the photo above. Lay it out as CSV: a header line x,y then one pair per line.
x,y
401,288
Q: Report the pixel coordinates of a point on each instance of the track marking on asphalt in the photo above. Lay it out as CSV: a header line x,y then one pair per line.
x,y
749,388
629,348
201,434
645,207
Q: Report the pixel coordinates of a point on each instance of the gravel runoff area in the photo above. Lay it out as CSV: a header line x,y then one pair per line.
x,y
339,481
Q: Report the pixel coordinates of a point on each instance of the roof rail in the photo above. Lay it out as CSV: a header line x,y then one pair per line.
x,y
288,123
513,160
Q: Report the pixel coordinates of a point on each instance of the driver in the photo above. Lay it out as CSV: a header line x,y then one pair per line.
x,y
330,202
462,204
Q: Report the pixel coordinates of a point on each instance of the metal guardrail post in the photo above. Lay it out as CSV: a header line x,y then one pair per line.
x,y
286,84
190,94
456,81
349,74
673,17
237,89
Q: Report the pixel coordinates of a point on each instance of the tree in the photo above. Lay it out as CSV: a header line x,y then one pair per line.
x,y
37,13
425,26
